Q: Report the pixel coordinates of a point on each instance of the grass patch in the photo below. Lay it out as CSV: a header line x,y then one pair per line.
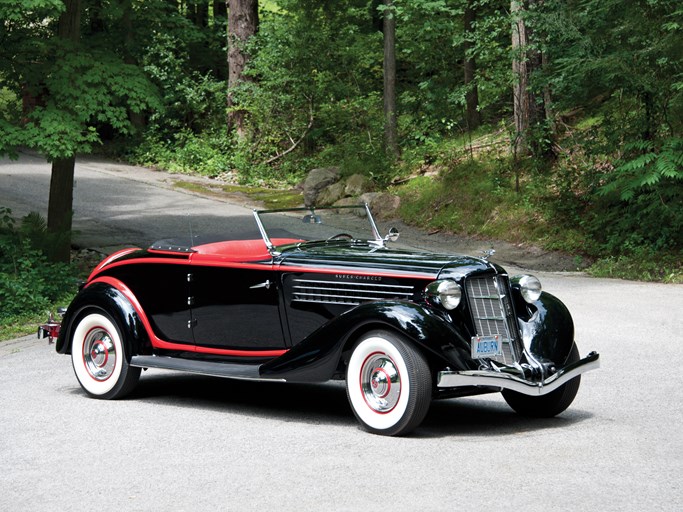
x,y
663,268
472,199
270,198
24,325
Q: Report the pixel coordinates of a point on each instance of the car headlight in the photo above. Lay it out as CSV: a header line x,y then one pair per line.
x,y
446,292
529,287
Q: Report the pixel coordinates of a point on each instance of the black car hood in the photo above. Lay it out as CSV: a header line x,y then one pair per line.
x,y
357,256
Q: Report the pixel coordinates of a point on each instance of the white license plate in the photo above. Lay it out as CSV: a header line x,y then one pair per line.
x,y
486,346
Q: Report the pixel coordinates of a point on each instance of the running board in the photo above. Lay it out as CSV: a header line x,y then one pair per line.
x,y
210,368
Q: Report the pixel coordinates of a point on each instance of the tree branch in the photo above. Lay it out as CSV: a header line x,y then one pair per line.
x,y
294,144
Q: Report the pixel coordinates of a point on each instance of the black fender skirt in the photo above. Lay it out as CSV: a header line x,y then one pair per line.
x,y
104,297
317,357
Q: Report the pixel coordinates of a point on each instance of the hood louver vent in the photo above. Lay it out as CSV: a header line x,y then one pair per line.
x,y
352,294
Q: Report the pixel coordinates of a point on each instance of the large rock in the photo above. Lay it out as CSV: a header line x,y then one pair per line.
x,y
316,181
357,184
352,201
331,194
383,205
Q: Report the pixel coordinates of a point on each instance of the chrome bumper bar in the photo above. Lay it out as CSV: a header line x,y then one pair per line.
x,y
490,378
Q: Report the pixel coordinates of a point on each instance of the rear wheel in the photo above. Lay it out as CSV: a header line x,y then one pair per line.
x,y
99,358
552,404
388,383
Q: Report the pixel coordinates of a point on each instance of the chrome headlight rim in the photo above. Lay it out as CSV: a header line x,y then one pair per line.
x,y
529,287
446,293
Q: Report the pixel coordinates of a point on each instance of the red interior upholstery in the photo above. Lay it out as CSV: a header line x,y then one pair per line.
x,y
238,250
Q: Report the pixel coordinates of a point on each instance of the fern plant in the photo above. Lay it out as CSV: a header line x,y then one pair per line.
x,y
650,167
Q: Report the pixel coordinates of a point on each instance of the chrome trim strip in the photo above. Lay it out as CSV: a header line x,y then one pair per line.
x,y
310,290
490,378
354,283
322,301
323,296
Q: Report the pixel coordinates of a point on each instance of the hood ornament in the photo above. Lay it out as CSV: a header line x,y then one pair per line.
x,y
488,253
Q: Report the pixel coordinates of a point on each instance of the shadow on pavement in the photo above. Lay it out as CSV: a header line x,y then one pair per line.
x,y
326,403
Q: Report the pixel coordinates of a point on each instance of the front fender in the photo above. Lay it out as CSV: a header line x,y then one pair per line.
x,y
549,334
105,297
317,357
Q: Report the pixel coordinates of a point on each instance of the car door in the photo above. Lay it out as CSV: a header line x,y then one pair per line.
x,y
236,307
162,290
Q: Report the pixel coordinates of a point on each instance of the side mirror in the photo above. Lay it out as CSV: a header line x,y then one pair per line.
x,y
393,235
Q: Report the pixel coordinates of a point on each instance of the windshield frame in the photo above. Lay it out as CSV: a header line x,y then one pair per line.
x,y
311,211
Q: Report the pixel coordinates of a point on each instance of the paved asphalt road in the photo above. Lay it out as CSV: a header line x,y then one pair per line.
x,y
184,442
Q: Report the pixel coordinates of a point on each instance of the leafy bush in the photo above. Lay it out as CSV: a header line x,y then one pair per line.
x,y
641,204
29,284
184,152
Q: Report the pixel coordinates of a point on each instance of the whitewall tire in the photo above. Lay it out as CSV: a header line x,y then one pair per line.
x,y
99,359
388,383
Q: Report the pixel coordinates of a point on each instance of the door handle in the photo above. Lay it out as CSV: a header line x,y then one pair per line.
x,y
267,284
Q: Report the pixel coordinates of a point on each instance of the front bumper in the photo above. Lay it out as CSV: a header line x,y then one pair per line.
x,y
491,378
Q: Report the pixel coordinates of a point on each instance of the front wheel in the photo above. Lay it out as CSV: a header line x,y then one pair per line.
x,y
388,383
552,404
99,359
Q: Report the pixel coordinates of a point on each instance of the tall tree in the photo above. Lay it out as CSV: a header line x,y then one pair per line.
x,y
70,88
528,105
60,203
390,123
472,116
243,22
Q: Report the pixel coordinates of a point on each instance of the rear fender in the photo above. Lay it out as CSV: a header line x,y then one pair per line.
x,y
317,357
107,298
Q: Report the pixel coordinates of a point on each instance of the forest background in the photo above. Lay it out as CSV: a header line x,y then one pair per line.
x,y
550,122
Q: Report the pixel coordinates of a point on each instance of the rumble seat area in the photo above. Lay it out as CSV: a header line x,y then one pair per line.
x,y
237,250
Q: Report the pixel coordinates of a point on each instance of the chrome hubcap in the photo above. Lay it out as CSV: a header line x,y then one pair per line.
x,y
380,382
99,354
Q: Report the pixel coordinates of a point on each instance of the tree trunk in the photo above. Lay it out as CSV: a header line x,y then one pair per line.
x,y
472,117
520,96
69,24
60,203
59,210
137,119
198,12
390,124
220,8
528,107
242,25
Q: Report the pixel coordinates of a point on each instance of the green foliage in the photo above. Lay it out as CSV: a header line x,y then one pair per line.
x,y
644,265
316,69
431,47
29,284
313,97
189,99
70,89
474,198
184,152
646,168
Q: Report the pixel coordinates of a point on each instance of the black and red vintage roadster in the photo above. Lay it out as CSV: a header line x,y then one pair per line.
x,y
295,300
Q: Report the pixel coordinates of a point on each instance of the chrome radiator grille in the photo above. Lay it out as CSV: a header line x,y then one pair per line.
x,y
352,294
488,298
